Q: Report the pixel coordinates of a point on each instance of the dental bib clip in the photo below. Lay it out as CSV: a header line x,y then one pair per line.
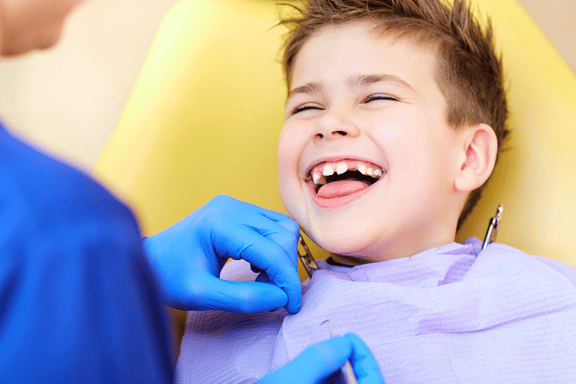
x,y
492,230
306,257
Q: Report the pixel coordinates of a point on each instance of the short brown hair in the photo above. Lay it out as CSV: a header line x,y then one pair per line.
x,y
469,71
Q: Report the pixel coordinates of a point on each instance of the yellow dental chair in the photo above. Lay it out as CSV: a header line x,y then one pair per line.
x,y
205,114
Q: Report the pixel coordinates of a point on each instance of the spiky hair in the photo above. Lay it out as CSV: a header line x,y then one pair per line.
x,y
469,72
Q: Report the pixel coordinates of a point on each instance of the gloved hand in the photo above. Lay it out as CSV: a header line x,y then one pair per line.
x,y
319,362
188,257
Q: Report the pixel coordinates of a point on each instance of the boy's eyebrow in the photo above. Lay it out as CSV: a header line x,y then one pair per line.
x,y
363,80
353,81
308,88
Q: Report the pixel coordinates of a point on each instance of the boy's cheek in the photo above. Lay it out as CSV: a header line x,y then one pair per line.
x,y
288,155
283,169
291,202
285,181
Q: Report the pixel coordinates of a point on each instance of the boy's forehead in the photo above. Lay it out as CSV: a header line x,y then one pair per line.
x,y
366,48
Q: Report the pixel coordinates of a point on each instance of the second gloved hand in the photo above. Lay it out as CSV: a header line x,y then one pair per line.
x,y
188,257
321,362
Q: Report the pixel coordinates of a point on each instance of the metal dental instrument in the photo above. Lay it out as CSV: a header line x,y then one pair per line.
x,y
492,231
306,258
347,371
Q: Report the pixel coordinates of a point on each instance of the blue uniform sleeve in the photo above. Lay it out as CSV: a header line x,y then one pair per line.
x,y
78,302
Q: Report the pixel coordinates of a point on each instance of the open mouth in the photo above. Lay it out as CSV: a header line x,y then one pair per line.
x,y
342,178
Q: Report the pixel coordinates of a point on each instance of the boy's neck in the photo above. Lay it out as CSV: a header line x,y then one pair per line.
x,y
352,261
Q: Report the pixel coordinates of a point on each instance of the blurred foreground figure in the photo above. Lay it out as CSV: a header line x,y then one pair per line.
x,y
81,294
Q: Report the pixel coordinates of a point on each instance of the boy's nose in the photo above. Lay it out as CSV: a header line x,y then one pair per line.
x,y
332,126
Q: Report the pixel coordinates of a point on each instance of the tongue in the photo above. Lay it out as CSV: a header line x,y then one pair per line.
x,y
340,188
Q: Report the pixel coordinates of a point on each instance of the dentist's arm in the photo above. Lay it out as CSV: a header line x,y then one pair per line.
x,y
320,361
188,257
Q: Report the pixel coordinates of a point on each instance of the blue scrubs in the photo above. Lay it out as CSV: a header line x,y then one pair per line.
x,y
78,301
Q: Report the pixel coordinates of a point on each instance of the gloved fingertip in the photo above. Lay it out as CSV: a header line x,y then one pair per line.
x,y
293,306
268,298
294,297
290,225
273,303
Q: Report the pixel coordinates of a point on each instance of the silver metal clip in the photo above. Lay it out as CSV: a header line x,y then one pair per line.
x,y
492,231
306,258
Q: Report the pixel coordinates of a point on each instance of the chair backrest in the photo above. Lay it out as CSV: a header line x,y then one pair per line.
x,y
205,114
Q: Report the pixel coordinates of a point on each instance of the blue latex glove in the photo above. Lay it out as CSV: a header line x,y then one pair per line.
x,y
319,363
189,256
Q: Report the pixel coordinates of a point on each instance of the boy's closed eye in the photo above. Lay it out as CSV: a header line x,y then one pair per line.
x,y
380,96
314,106
305,107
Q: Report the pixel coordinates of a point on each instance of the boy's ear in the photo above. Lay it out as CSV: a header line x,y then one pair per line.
x,y
478,156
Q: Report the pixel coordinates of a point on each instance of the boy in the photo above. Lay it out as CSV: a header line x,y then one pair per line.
x,y
394,117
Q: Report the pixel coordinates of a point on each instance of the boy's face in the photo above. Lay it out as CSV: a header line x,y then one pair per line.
x,y
364,103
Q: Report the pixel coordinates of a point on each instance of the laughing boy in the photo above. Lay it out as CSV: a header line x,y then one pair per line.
x,y
395,114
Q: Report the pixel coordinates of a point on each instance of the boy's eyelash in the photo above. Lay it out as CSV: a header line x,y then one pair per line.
x,y
380,96
302,108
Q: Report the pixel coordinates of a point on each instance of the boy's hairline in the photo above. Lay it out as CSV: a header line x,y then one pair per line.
x,y
378,29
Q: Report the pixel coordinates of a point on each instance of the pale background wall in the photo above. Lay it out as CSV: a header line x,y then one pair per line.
x,y
69,98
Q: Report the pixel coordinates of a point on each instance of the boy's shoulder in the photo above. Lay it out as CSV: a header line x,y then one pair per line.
x,y
567,270
506,263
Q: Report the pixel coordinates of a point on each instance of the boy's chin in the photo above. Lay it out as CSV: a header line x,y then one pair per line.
x,y
349,248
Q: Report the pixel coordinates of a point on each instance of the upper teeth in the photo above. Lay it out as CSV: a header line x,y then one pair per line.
x,y
341,168
328,170
320,172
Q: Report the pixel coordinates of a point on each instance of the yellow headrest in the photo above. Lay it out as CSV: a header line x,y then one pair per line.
x,y
205,115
